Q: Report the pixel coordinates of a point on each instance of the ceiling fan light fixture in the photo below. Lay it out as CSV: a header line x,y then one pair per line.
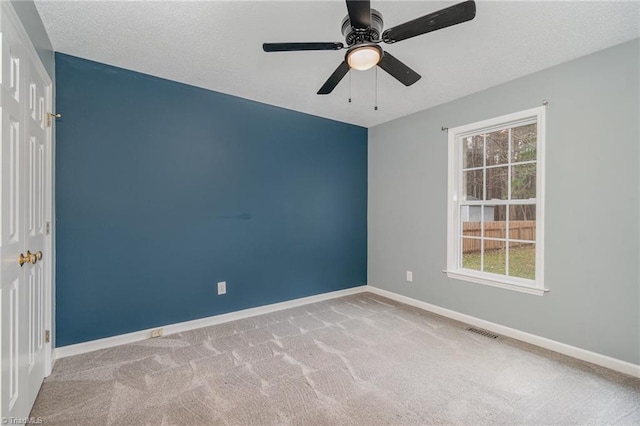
x,y
362,30
364,57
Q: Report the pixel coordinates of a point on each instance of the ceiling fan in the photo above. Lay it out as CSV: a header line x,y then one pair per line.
x,y
361,29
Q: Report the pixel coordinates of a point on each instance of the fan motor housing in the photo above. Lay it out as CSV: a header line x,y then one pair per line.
x,y
354,36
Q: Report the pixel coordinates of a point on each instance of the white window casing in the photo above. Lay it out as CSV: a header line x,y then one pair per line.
x,y
456,208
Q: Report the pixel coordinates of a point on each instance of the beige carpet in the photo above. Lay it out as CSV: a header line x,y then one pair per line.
x,y
359,360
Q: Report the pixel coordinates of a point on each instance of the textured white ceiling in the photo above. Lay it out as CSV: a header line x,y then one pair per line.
x,y
218,45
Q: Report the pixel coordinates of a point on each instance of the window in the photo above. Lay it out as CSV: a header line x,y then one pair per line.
x,y
496,202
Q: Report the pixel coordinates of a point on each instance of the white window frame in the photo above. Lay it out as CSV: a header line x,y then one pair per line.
x,y
454,257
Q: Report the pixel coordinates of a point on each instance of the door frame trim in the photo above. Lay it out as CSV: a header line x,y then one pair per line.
x,y
8,10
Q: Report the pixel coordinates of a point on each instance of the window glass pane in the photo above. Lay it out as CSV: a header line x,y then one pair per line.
x,y
522,260
522,222
471,253
472,185
497,147
472,152
522,212
523,143
473,214
495,221
497,183
495,257
470,221
495,213
523,181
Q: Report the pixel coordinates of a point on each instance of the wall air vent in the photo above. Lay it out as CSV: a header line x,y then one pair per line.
x,y
484,333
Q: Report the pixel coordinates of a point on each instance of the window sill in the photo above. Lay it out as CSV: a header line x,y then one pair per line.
x,y
508,284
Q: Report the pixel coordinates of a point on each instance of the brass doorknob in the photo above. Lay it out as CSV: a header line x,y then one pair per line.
x,y
29,258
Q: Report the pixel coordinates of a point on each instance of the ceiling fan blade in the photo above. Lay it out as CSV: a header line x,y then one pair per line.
x,y
335,78
398,70
293,47
456,14
359,13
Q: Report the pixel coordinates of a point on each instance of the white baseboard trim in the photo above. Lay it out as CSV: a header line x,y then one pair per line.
x,y
136,336
572,351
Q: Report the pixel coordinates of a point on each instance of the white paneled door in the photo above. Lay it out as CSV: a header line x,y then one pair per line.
x,y
25,95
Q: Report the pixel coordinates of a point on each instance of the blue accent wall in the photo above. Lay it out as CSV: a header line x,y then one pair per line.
x,y
164,189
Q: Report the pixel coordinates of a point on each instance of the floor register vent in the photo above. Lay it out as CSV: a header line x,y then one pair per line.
x,y
483,333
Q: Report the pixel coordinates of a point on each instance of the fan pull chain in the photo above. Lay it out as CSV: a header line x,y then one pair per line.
x,y
349,85
375,108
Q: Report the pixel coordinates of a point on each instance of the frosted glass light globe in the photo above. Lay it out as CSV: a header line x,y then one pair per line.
x,y
363,58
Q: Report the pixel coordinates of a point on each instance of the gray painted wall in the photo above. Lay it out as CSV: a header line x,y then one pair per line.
x,y
28,14
592,204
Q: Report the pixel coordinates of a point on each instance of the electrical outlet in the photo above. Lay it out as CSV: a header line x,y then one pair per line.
x,y
156,333
410,276
222,288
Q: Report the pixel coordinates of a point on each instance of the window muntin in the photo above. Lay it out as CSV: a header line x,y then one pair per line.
x,y
496,201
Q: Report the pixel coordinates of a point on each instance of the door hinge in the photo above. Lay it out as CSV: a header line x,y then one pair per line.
x,y
50,116
47,336
47,228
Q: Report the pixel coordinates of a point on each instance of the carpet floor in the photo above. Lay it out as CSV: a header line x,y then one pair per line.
x,y
356,360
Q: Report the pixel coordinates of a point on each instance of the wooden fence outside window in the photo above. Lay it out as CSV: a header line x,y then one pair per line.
x,y
518,230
